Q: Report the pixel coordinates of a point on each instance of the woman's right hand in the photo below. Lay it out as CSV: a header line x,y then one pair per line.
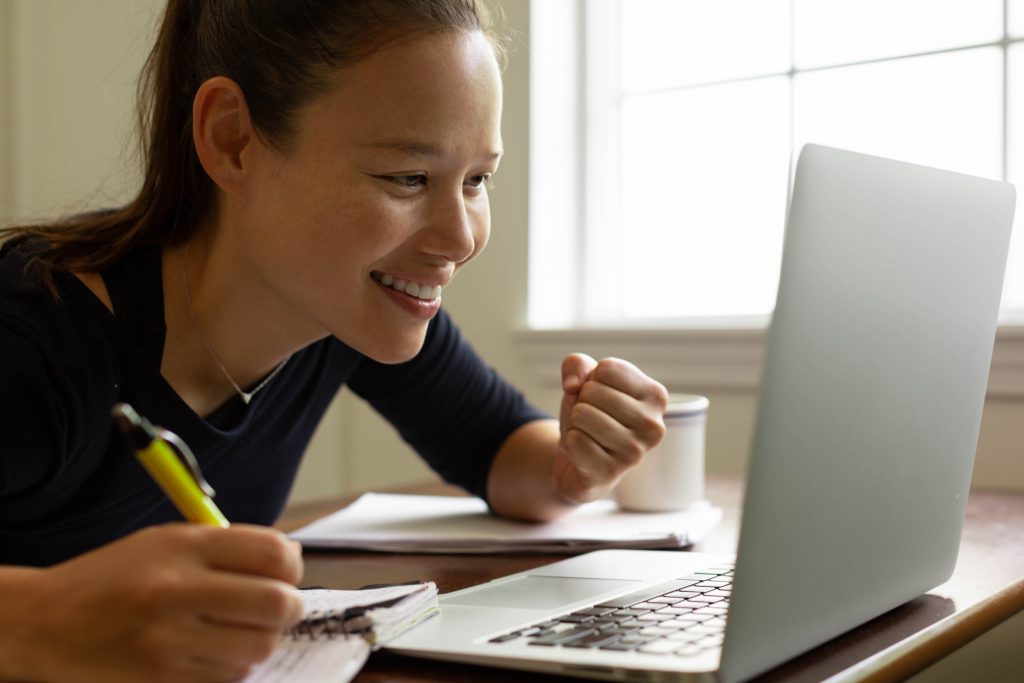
x,y
176,602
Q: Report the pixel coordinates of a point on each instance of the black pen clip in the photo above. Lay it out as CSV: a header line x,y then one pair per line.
x,y
179,446
140,432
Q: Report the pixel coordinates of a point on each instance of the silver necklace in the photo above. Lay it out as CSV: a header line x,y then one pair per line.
x,y
246,396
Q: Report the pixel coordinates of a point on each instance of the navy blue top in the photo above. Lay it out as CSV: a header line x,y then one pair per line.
x,y
67,482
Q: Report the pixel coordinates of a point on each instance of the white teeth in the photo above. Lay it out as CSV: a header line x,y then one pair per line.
x,y
416,289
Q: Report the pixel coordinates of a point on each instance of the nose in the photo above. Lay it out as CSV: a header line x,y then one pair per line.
x,y
456,231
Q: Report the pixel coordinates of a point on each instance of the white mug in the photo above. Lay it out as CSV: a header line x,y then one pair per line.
x,y
671,475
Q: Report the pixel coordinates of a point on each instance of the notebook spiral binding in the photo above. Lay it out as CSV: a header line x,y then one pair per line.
x,y
348,622
330,624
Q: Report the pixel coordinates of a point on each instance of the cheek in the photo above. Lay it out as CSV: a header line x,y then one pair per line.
x,y
482,228
328,222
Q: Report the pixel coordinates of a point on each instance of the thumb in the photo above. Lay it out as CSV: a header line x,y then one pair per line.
x,y
576,367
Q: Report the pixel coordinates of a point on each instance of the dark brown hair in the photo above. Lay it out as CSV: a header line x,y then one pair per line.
x,y
281,53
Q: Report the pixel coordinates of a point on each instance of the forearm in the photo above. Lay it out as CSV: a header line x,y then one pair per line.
x,y
521,484
20,650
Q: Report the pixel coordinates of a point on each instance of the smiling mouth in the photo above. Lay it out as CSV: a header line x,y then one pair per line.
x,y
425,292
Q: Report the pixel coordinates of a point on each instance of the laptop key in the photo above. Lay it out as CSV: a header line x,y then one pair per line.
x,y
647,593
596,640
711,641
683,637
576,619
675,624
715,611
655,631
504,638
659,647
653,617
707,599
675,611
563,637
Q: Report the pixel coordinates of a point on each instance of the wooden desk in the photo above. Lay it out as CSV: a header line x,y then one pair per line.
x,y
987,587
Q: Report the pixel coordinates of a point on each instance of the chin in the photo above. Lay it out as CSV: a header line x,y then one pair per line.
x,y
394,352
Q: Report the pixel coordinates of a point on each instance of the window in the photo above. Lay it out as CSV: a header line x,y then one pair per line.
x,y
663,137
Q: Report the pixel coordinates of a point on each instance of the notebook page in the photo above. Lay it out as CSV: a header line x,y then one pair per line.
x,y
333,660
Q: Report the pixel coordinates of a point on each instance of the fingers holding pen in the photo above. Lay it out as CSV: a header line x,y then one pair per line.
x,y
251,577
251,549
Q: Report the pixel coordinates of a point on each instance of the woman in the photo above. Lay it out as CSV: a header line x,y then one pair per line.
x,y
316,174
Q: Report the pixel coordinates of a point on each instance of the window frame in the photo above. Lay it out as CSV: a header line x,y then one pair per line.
x,y
691,353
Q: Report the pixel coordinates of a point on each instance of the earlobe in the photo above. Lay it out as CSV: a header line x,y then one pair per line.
x,y
221,132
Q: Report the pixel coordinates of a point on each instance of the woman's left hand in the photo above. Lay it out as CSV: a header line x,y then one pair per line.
x,y
611,415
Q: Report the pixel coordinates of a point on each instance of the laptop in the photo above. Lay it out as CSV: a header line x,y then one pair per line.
x,y
876,367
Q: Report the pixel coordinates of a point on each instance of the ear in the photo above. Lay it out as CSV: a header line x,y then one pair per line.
x,y
222,132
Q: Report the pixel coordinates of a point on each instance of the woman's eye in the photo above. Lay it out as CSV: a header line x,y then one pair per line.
x,y
479,181
409,181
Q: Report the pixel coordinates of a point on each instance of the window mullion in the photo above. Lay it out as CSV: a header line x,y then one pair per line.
x,y
600,292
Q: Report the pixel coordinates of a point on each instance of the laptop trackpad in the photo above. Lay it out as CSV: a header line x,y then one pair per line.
x,y
537,592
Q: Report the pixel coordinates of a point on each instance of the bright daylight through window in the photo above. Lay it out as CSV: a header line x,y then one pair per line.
x,y
663,135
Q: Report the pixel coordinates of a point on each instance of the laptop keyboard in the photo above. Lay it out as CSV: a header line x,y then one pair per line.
x,y
684,616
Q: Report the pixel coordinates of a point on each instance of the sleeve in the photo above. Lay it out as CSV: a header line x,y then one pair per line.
x,y
33,425
451,407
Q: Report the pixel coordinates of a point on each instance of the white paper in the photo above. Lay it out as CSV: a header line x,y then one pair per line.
x,y
335,660
410,523
328,600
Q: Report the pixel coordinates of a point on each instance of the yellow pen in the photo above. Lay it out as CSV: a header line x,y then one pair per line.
x,y
165,456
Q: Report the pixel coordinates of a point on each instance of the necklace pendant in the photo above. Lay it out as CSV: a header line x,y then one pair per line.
x,y
246,397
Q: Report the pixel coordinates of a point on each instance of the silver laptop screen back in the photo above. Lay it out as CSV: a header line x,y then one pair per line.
x,y
876,367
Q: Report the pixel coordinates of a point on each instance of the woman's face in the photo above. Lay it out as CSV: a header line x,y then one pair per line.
x,y
383,196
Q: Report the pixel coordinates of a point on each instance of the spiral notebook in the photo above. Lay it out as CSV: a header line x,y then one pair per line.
x,y
341,627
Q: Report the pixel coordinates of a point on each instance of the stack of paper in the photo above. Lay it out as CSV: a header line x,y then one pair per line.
x,y
447,524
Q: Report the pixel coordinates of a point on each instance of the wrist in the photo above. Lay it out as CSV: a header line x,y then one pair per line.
x,y
22,650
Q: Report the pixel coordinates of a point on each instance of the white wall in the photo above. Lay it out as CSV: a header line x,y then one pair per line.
x,y
6,87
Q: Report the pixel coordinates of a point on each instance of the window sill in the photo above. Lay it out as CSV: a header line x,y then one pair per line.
x,y
722,358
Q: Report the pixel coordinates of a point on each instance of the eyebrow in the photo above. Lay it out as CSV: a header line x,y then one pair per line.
x,y
416,148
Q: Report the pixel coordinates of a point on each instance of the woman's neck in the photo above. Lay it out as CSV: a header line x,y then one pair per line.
x,y
223,328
